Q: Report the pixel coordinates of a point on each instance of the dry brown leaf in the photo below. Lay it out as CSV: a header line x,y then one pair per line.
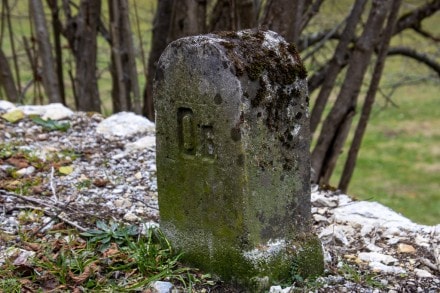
x,y
98,182
18,162
112,250
58,226
88,270
76,290
38,189
32,246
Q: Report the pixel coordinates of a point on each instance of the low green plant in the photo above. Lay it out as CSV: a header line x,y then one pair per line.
x,y
153,253
11,285
351,273
51,125
70,153
83,184
105,234
26,184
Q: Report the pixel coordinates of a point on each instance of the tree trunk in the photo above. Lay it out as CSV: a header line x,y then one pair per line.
x,y
7,80
57,27
188,18
285,18
233,15
336,63
125,89
49,75
85,50
347,98
120,95
6,13
161,27
350,163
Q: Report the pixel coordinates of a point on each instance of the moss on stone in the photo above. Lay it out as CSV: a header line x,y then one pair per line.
x,y
308,261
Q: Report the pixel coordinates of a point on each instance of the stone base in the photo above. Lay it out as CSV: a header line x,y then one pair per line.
x,y
256,269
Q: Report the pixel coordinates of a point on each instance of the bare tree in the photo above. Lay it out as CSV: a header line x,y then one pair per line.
x,y
50,80
6,16
125,87
161,27
57,31
369,99
335,127
7,80
337,63
81,32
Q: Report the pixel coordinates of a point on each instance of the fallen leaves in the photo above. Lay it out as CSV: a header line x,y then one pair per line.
x,y
65,170
13,116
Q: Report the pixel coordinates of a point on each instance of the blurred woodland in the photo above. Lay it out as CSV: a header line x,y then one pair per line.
x,y
59,51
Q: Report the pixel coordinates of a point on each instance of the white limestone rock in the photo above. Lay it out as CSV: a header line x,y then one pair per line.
x,y
372,213
55,111
422,273
335,233
379,267
6,106
161,287
124,124
376,257
146,142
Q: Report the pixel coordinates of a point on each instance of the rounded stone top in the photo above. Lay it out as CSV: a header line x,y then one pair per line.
x,y
260,50
254,52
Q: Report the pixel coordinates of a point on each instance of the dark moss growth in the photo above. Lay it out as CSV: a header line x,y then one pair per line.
x,y
228,45
308,262
236,134
259,97
255,69
218,99
276,68
302,72
240,160
227,34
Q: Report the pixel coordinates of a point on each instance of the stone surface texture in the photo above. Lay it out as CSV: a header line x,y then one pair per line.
x,y
233,153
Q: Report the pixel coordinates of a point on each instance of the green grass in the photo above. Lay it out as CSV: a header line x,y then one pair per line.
x,y
399,161
111,258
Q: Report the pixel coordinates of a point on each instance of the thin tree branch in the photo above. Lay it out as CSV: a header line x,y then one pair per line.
x,y
415,17
426,34
418,56
312,10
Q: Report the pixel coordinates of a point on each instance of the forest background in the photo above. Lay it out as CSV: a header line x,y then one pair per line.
x,y
100,56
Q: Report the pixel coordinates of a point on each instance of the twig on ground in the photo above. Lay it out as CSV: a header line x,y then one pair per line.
x,y
52,211
143,202
52,185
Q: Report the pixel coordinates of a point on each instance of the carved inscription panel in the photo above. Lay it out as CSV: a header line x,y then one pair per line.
x,y
194,139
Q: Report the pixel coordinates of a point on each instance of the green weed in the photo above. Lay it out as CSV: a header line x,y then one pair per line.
x,y
351,273
105,234
51,125
12,285
83,184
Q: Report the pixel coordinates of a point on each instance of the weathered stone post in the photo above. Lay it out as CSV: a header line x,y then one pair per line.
x,y
233,159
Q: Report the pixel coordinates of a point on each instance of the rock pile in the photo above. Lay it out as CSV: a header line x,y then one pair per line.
x,y
111,174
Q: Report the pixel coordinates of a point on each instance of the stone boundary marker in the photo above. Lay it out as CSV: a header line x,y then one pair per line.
x,y
233,162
